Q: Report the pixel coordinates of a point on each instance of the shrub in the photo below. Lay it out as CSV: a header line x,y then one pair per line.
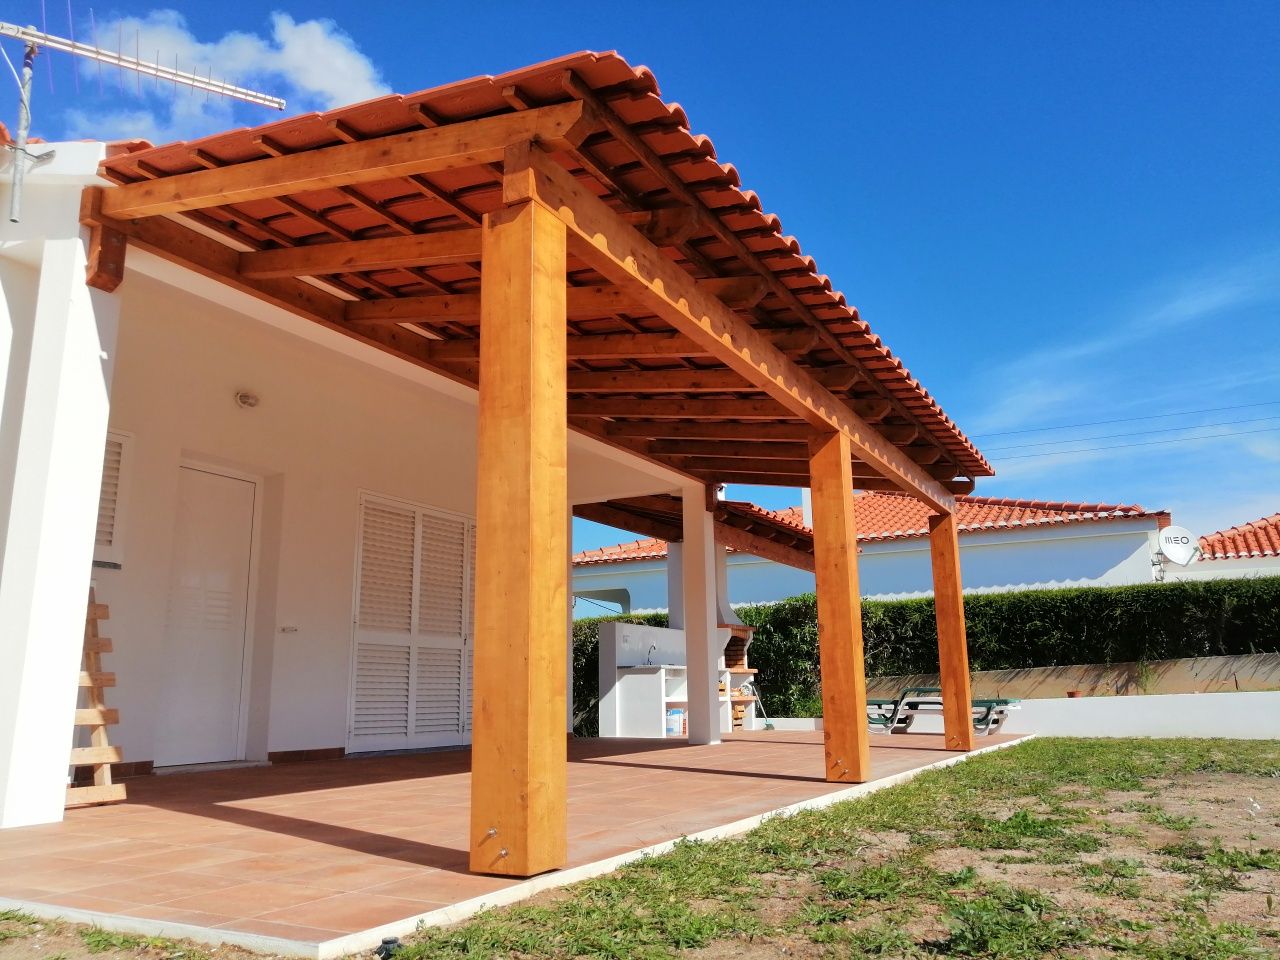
x,y
1030,628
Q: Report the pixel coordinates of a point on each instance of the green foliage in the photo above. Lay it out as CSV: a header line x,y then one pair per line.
x,y
1031,628
14,924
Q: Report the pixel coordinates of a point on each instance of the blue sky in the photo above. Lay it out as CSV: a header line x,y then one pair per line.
x,y
1057,214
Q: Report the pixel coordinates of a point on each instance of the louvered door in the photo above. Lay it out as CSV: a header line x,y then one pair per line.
x,y
411,685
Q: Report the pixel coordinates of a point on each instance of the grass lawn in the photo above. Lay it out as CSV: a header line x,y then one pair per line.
x,y
1163,849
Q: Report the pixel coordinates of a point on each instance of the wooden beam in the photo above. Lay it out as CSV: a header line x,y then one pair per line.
x,y
755,479
835,546
678,409
352,256
584,303
519,766
467,144
684,380
105,269
953,647
613,515
764,450
708,430
798,469
746,542
599,236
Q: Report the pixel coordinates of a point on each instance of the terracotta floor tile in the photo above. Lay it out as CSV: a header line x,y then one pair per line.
x,y
159,888
355,875
251,899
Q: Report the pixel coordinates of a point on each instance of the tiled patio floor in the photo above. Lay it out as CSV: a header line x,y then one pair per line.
x,y
315,852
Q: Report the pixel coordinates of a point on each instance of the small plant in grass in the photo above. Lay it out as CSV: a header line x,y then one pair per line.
x,y
15,924
1243,860
1114,877
1011,924
1171,821
97,940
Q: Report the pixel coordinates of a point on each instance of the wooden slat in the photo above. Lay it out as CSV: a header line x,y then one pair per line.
x,y
583,303
762,547
519,765
708,430
953,647
99,611
97,679
87,796
90,756
349,256
467,144
688,381
763,450
835,548
623,256
98,645
96,716
614,516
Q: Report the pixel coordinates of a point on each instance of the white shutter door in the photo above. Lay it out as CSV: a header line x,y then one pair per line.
x,y
382,691
441,578
412,671
438,689
470,647
386,568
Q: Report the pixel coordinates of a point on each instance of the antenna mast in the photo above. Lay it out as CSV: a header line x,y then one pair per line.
x,y
35,39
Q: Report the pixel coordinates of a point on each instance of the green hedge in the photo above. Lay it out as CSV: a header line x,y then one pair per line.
x,y
1030,628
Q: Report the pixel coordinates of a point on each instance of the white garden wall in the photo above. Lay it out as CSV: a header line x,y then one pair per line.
x,y
1240,716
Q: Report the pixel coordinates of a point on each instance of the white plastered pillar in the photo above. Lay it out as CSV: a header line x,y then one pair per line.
x,y
700,620
57,384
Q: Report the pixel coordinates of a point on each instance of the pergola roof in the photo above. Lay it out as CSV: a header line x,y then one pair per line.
x,y
880,516
633,380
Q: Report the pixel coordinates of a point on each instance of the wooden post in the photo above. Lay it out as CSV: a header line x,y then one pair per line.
x,y
953,647
519,755
835,549
701,625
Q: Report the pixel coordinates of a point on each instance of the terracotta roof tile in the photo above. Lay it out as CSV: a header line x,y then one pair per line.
x,y
1261,538
892,516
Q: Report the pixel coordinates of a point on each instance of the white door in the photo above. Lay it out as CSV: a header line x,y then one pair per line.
x,y
411,682
201,691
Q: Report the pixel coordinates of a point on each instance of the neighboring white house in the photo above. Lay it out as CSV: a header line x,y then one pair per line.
x,y
1004,545
1248,550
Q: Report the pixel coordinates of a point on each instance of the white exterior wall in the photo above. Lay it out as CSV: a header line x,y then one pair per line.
x,y
1224,569
1101,553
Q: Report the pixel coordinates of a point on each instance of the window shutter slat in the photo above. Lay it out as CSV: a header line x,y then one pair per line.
x,y
386,568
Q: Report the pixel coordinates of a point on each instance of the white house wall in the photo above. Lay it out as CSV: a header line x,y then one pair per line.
x,y
326,427
1224,569
1106,553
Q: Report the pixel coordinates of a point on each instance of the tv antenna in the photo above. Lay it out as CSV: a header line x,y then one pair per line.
x,y
35,40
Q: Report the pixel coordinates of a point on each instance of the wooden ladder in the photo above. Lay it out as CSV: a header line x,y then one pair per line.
x,y
97,716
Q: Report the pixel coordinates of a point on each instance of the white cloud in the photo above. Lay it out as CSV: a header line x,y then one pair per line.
x,y
312,64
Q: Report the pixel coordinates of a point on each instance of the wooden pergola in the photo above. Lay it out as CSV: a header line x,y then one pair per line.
x,y
557,238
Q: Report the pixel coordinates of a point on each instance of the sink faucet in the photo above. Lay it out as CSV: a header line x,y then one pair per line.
x,y
648,660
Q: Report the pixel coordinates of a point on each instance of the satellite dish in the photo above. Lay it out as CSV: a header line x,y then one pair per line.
x,y
1179,545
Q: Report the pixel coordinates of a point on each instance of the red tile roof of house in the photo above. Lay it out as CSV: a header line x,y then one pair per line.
x,y
1261,538
894,516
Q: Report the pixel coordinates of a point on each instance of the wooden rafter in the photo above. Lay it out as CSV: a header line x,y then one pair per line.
x,y
384,253
431,150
